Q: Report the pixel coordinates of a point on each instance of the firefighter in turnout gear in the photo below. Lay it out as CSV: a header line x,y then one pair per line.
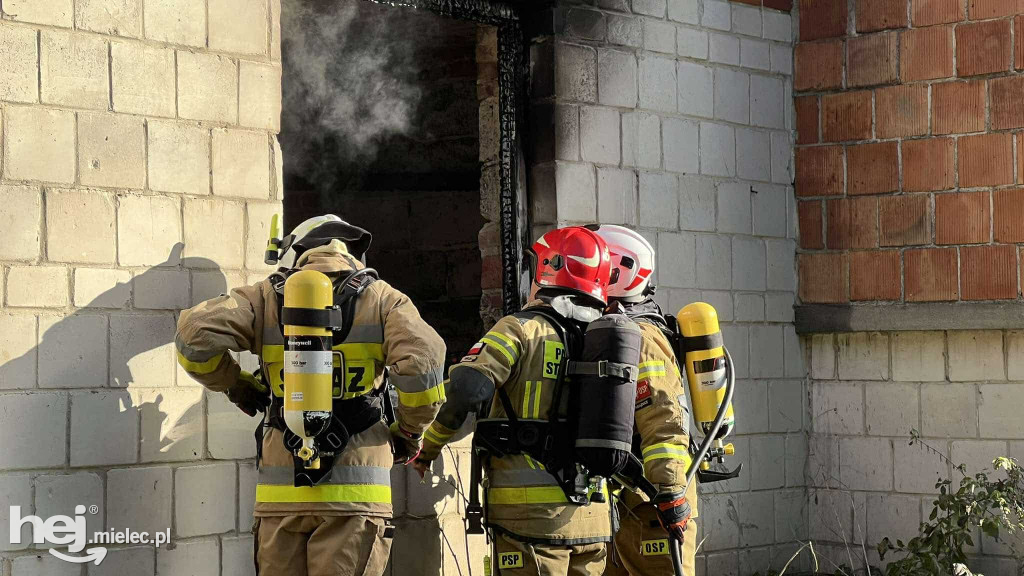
x,y
662,424
336,520
536,528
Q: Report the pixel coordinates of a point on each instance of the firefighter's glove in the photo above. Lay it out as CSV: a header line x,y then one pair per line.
x,y
406,445
673,512
249,394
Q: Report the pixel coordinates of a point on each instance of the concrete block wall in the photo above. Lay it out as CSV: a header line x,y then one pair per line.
x,y
960,389
675,118
138,170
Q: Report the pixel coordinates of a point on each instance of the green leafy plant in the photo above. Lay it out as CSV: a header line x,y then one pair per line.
x,y
996,506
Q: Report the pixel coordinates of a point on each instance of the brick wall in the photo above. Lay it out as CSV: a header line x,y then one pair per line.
x,y
908,161
674,118
138,174
960,389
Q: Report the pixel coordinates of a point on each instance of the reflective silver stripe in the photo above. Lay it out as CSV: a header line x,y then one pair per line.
x,y
417,382
366,333
520,477
492,339
285,475
194,355
598,443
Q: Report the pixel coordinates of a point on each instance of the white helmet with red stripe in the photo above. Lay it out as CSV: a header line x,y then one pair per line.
x,y
633,258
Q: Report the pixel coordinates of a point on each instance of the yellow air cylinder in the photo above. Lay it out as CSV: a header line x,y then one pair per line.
x,y
705,365
308,364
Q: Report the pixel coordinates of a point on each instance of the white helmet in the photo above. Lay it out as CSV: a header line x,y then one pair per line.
x,y
319,231
632,258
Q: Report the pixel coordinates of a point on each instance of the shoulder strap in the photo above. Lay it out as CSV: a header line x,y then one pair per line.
x,y
568,331
347,293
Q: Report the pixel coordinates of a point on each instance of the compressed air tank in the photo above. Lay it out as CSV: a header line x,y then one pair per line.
x,y
308,363
702,353
604,432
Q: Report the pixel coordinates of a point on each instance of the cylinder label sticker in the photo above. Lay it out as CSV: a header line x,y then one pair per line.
x,y
308,355
296,396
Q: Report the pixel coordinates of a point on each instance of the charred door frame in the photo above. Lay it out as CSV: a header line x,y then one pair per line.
x,y
511,89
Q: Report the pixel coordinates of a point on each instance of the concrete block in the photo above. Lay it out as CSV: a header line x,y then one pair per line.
x,y
258,218
172,424
195,558
786,402
748,264
20,214
141,349
746,20
102,288
72,351
778,26
823,357
795,367
230,429
782,158
240,26
617,78
676,260
685,11
717,149
891,409
918,468
717,15
659,36
19,69
766,351
732,95
616,196
567,132
779,306
208,284
866,463
796,460
80,226
213,231
151,226
975,355
977,455
157,289
724,49
757,516
17,351
179,157
738,338
60,494
73,70
39,144
142,79
696,203
749,307
999,410
766,453
696,87
790,515
781,259
259,96
724,562
205,502
137,561
750,399
691,43
719,522
781,59
599,135
753,160
576,72
714,261
34,426
246,494
625,30
676,298
681,145
112,150
43,565
577,192
54,13
892,516
1014,353
767,102
176,22
15,490
654,8
207,87
241,164
641,140
788,97
659,200
918,356
112,17
236,556
657,83
37,286
823,461
755,54
949,410
112,416
864,356
837,408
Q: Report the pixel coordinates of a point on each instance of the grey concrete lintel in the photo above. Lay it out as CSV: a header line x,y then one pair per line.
x,y
824,318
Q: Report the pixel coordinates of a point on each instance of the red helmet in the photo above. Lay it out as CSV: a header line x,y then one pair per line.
x,y
574,259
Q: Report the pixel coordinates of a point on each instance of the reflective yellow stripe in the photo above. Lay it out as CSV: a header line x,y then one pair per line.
x,y
652,368
667,451
370,493
508,341
425,398
437,435
206,367
536,399
499,346
527,495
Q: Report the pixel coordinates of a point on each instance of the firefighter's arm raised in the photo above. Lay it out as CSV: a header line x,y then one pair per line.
x,y
472,381
208,331
414,357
